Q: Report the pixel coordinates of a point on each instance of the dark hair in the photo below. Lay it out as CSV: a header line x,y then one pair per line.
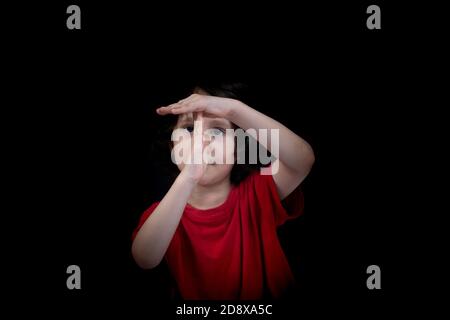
x,y
163,145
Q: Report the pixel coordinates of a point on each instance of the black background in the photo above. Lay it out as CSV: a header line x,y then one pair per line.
x,y
86,121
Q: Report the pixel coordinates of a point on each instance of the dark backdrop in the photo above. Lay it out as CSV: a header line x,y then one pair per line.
x,y
89,122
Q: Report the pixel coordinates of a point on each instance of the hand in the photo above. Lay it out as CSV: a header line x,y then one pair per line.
x,y
194,171
209,105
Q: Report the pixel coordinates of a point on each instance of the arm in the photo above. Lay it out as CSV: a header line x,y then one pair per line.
x,y
296,156
154,237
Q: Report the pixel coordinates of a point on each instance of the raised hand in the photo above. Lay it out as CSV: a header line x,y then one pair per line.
x,y
209,105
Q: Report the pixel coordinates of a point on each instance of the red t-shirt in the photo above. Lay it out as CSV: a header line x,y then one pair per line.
x,y
232,251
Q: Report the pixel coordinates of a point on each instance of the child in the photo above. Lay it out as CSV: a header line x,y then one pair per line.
x,y
219,239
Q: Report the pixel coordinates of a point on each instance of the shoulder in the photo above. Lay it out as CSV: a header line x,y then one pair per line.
x,y
257,179
260,189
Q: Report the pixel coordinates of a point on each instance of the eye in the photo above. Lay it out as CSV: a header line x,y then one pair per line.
x,y
189,128
217,131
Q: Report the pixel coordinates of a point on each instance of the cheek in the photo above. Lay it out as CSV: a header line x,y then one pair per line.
x,y
229,145
227,148
222,150
181,149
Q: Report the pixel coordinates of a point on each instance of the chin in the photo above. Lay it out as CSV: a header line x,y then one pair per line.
x,y
208,179
213,175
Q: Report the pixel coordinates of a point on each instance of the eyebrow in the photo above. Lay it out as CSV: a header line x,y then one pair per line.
x,y
186,120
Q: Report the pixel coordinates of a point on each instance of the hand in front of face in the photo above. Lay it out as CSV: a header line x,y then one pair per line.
x,y
209,105
194,167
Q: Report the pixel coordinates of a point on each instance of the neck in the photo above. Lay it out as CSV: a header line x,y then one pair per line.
x,y
211,196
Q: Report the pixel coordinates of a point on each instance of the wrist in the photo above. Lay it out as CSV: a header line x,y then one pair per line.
x,y
185,178
233,109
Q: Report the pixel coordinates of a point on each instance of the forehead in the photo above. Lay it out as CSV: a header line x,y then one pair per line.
x,y
188,118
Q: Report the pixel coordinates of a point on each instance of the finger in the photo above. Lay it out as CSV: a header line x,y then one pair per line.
x,y
198,120
187,99
162,112
198,126
167,110
186,109
189,104
198,138
163,109
184,100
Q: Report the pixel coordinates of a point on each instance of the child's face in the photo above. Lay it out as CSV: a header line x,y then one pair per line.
x,y
216,137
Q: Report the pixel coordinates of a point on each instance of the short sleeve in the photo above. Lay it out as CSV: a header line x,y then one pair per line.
x,y
144,218
294,203
289,208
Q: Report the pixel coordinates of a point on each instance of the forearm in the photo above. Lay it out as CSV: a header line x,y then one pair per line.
x,y
154,237
294,152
